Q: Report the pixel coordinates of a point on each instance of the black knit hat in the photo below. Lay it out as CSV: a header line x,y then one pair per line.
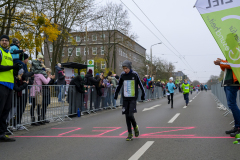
x,y
4,36
23,56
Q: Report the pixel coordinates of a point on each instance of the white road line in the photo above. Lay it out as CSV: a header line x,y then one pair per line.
x,y
141,151
185,107
190,101
174,118
153,107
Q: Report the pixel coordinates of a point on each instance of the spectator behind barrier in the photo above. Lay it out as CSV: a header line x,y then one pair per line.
x,y
46,96
61,81
89,80
39,80
231,87
57,69
38,67
75,95
14,50
19,86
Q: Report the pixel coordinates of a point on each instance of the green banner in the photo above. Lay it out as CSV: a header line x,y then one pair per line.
x,y
223,20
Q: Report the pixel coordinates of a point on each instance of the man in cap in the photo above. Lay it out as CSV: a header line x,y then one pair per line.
x,y
130,81
6,85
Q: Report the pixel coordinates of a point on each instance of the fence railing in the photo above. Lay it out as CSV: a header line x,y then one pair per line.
x,y
41,104
220,98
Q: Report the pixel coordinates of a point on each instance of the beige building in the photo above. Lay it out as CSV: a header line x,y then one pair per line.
x,y
108,48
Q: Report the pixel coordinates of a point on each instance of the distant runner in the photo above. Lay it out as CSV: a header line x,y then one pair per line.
x,y
186,89
170,89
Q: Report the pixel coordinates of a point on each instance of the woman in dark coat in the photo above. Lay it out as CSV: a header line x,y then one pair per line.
x,y
46,100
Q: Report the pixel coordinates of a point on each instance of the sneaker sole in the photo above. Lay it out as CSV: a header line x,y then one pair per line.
x,y
129,139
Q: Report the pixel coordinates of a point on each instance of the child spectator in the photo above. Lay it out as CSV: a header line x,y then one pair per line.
x,y
38,67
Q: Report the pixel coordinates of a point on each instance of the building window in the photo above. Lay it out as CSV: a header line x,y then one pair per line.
x,y
94,50
69,39
78,52
50,48
63,54
94,37
120,64
103,64
85,39
51,60
78,39
123,54
86,51
120,52
102,50
69,51
103,36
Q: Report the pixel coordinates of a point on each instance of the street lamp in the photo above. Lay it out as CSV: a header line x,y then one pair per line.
x,y
147,68
151,53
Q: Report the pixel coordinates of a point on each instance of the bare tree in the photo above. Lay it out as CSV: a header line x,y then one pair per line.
x,y
114,19
68,14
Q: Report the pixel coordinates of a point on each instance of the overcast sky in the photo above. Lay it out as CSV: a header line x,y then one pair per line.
x,y
183,27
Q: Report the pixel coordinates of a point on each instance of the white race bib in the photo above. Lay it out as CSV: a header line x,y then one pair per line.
x,y
129,88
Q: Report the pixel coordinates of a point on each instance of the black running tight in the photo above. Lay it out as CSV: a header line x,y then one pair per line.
x,y
130,122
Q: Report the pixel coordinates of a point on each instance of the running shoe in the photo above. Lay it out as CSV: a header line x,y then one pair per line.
x,y
5,138
136,131
130,136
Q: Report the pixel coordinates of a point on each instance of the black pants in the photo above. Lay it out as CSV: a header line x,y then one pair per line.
x,y
44,111
5,107
171,95
130,122
21,105
33,107
130,109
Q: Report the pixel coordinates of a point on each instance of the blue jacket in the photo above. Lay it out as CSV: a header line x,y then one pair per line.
x,y
13,48
170,87
148,80
23,64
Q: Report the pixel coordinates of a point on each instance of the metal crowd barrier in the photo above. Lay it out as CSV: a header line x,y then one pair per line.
x,y
41,104
221,99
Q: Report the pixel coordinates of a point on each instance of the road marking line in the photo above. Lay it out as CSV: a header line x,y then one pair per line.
x,y
153,107
185,107
190,101
174,118
141,151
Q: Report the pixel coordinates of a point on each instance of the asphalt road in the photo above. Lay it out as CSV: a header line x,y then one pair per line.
x,y
195,132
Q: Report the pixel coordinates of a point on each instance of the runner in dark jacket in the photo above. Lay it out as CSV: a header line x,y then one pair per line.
x,y
130,81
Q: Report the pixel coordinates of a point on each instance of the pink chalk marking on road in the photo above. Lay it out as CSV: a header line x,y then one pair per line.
x,y
172,127
97,136
123,132
106,131
69,131
65,128
185,128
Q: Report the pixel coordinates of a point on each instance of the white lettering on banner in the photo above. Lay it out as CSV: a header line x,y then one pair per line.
x,y
231,52
209,6
218,33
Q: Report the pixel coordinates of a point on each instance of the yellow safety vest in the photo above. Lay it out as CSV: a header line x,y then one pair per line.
x,y
6,76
